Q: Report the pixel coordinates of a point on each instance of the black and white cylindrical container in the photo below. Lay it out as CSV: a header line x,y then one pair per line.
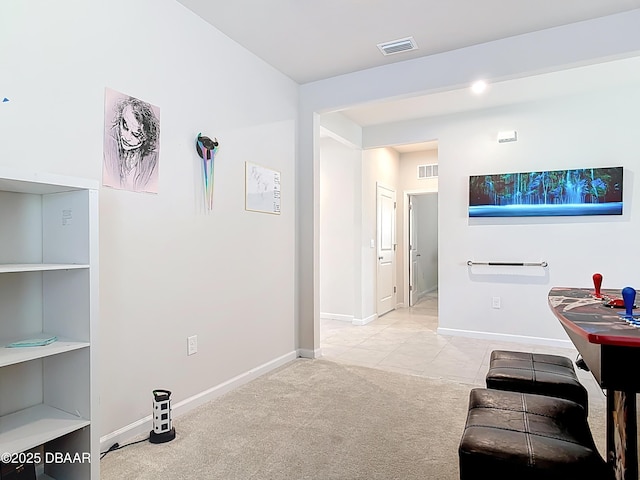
x,y
162,431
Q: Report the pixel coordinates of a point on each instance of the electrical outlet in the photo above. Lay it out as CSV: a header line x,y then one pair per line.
x,y
495,302
192,345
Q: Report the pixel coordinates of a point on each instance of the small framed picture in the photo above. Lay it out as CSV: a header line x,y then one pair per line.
x,y
262,186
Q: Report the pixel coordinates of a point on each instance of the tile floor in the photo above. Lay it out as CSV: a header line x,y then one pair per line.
x,y
405,341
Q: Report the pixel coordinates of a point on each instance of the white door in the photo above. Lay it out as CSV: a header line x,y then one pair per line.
x,y
386,233
413,254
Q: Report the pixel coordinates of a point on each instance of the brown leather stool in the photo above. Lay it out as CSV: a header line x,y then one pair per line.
x,y
542,374
513,435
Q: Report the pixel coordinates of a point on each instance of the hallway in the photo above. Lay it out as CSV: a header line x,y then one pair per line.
x,y
405,341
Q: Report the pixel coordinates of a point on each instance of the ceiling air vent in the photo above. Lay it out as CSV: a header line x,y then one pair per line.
x,y
397,46
427,171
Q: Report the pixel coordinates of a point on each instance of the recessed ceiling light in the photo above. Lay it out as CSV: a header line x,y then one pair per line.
x,y
478,87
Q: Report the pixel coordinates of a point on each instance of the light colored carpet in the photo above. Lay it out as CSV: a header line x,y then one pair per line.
x,y
314,419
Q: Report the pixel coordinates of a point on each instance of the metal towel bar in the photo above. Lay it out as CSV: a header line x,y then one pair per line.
x,y
508,264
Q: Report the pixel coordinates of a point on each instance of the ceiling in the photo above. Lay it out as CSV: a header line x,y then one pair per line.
x,y
311,40
575,81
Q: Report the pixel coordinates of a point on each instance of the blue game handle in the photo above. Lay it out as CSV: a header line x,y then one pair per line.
x,y
629,297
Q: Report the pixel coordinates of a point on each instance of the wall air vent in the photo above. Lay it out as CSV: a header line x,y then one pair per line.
x,y
397,46
428,171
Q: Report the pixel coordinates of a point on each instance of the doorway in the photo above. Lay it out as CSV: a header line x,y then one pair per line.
x,y
422,247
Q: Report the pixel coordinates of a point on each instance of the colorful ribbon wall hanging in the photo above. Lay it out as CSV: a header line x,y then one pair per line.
x,y
207,150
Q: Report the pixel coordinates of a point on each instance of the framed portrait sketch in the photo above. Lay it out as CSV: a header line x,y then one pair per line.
x,y
131,143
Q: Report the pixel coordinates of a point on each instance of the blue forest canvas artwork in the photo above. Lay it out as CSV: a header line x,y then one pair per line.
x,y
584,191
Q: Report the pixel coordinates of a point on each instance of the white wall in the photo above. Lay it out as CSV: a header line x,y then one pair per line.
x,y
582,134
167,269
589,130
409,162
347,275
586,131
347,184
379,166
338,165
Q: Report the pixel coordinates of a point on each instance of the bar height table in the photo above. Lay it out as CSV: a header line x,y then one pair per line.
x,y
611,349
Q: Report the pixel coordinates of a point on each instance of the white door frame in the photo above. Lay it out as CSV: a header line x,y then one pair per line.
x,y
406,254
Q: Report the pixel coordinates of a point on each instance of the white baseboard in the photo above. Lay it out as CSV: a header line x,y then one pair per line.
x,y
503,337
145,425
308,353
364,321
336,316
346,318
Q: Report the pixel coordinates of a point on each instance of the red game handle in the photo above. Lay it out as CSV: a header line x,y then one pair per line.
x,y
597,283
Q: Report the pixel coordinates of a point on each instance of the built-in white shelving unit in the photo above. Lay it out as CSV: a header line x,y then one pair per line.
x,y
49,287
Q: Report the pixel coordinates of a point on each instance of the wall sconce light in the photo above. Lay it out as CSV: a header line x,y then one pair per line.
x,y
507,136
